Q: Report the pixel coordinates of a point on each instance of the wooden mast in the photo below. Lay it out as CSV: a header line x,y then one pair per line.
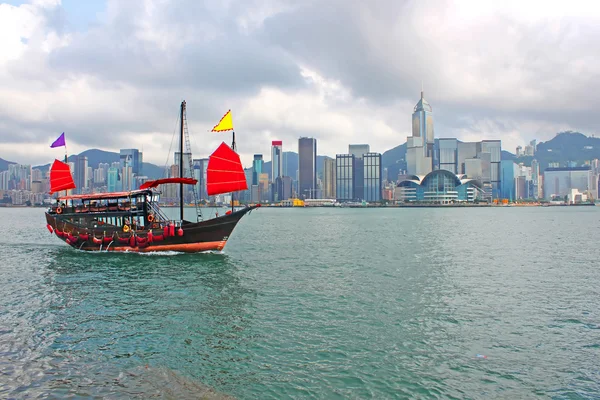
x,y
234,149
181,162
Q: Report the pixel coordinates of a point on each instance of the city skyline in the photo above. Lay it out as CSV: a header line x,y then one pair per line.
x,y
290,90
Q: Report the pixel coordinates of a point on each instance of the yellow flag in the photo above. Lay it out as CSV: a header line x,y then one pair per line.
x,y
225,124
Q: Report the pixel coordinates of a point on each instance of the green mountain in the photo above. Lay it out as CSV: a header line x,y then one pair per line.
x,y
96,156
565,147
4,164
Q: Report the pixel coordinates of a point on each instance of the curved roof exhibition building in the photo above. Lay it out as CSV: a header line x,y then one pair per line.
x,y
439,187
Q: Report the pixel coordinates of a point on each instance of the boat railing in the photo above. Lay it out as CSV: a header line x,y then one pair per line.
x,y
158,214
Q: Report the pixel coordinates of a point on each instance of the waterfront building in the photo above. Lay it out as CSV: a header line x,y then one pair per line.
x,y
420,146
372,177
439,187
345,177
558,182
448,154
494,148
200,170
307,168
283,187
134,158
263,182
257,168
509,172
81,168
329,178
276,159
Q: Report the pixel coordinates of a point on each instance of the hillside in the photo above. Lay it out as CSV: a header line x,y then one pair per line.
x,y
565,147
4,164
96,156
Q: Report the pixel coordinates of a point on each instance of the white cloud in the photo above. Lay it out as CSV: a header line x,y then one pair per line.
x,y
341,71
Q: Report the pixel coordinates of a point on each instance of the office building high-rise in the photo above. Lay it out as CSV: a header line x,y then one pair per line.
x,y
276,159
283,185
420,146
494,147
257,168
329,178
200,170
81,169
448,157
372,177
112,180
307,168
187,158
345,178
133,158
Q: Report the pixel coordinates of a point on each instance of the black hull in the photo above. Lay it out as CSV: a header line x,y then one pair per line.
x,y
196,236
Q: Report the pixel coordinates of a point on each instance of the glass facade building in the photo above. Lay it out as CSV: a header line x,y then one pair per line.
x,y
307,168
345,178
257,168
134,159
372,177
558,182
276,159
509,172
439,187
494,147
329,178
448,155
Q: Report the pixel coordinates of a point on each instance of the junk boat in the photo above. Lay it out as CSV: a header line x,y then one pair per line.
x,y
133,221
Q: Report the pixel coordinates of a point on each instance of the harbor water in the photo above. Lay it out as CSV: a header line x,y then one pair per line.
x,y
312,303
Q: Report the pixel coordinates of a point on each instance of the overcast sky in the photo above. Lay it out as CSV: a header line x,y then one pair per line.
x,y
112,73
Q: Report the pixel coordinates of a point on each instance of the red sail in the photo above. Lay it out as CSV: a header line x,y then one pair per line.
x,y
225,172
60,177
153,184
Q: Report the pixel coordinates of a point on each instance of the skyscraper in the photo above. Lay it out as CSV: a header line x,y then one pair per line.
x,y
345,179
307,168
372,177
200,169
81,165
112,180
329,177
133,157
494,147
187,158
276,159
419,146
257,168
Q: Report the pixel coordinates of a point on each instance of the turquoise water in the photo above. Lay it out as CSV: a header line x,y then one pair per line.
x,y
312,303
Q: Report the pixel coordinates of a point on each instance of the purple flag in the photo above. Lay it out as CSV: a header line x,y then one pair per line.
x,y
60,141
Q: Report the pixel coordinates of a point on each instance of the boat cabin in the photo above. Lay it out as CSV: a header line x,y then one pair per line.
x,y
137,209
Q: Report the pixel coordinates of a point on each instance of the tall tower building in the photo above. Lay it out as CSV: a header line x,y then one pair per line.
x,y
276,159
133,158
257,168
372,177
419,152
307,168
81,168
329,177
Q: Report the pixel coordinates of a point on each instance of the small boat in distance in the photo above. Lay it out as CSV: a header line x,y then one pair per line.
x,y
134,222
